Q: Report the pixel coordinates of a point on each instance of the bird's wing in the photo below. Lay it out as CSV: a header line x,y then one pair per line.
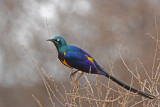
x,y
77,49
80,61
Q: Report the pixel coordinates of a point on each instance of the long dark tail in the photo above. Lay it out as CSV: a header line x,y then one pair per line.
x,y
128,87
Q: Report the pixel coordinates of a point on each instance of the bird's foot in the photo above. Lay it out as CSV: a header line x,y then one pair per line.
x,y
73,73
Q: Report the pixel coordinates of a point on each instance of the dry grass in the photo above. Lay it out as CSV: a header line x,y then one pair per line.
x,y
103,95
93,94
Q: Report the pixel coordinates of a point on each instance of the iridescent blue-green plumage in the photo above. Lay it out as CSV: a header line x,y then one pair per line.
x,y
77,58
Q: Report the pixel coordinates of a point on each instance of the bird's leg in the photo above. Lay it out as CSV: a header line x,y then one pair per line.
x,y
73,73
80,75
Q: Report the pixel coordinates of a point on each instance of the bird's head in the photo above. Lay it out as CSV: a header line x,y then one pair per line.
x,y
60,43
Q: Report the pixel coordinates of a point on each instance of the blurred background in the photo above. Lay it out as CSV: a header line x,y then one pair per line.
x,y
100,25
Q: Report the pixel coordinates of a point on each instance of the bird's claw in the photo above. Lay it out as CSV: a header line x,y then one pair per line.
x,y
73,73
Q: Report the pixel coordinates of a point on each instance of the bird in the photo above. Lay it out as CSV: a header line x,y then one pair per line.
x,y
77,58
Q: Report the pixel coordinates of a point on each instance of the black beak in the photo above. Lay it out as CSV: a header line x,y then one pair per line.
x,y
49,40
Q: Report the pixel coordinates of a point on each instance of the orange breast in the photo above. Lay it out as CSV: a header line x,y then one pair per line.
x,y
64,61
